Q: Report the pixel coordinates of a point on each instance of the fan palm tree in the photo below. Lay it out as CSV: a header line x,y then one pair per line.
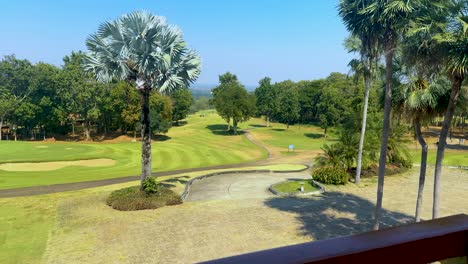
x,y
364,40
142,48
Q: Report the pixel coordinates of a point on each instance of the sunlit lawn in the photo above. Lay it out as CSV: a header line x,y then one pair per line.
x,y
198,143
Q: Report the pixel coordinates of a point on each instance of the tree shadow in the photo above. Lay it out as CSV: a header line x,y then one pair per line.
x,y
180,123
160,137
221,129
457,147
169,183
335,214
278,129
314,135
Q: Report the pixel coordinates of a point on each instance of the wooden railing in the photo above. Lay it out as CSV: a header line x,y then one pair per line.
x,y
424,242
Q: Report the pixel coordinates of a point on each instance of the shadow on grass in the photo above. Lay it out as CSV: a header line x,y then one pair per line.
x,y
314,135
335,214
173,181
457,147
180,123
278,129
256,125
160,137
219,129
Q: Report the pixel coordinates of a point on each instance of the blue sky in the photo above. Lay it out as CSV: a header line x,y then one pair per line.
x,y
295,39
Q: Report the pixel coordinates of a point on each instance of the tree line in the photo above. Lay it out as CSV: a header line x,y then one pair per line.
x,y
41,100
326,102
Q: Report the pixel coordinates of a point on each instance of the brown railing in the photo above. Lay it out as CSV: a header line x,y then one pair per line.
x,y
424,242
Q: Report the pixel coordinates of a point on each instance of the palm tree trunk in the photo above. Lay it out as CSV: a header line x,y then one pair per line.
x,y
456,87
145,136
385,131
267,121
367,82
422,170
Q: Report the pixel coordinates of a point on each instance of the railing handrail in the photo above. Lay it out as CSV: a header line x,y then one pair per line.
x,y
422,242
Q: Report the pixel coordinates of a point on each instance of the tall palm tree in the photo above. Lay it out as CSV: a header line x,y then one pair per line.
x,y
452,40
423,96
363,40
142,48
445,24
385,20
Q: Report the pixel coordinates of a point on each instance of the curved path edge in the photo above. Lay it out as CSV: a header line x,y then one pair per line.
x,y
75,186
186,192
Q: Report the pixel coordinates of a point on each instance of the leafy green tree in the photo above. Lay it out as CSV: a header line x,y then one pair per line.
x,y
14,85
232,101
334,100
45,86
267,99
125,101
181,101
288,107
142,48
81,93
161,113
309,98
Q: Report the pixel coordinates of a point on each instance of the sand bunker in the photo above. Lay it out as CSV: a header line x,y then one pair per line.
x,y
55,165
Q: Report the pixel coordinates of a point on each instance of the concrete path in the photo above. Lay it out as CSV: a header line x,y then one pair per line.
x,y
239,185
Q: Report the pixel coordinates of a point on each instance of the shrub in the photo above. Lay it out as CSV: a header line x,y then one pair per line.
x,y
330,175
132,199
150,186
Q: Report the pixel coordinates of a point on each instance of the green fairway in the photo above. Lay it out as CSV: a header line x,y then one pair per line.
x,y
303,137
196,144
451,157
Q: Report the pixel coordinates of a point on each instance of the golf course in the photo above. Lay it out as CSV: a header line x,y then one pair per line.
x,y
45,226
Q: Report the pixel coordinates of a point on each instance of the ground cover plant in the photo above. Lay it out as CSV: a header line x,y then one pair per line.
x,y
330,175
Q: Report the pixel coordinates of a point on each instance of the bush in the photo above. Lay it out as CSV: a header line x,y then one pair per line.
x,y
150,186
330,175
132,199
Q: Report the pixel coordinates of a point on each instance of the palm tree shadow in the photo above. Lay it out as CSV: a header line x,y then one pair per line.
x,y
169,183
335,214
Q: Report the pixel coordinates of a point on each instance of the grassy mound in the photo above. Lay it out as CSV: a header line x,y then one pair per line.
x,y
295,186
132,199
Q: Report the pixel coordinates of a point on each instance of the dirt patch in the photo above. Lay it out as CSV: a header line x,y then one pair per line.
x,y
55,165
122,138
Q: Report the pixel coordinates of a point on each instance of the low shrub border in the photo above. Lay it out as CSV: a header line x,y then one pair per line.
x,y
186,192
294,194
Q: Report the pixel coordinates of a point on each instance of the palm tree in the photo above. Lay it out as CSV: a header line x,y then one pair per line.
x,y
142,48
420,100
445,23
385,20
363,40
